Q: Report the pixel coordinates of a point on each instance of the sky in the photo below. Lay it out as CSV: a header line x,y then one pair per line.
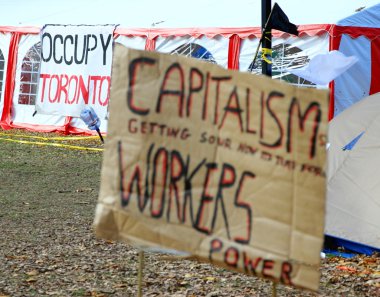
x,y
171,13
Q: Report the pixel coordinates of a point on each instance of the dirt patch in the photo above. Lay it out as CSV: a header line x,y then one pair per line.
x,y
48,196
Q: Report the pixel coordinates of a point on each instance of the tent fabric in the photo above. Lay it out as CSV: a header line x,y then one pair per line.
x,y
357,35
353,188
323,68
243,33
219,45
4,47
366,18
10,82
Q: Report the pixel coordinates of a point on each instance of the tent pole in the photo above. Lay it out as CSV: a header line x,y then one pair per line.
x,y
266,36
260,41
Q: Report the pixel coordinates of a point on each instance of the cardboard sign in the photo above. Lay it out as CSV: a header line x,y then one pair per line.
x,y
76,64
224,165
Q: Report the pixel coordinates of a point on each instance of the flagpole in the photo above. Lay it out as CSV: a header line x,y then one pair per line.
x,y
261,39
266,37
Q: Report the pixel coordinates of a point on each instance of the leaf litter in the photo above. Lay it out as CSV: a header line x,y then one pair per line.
x,y
47,247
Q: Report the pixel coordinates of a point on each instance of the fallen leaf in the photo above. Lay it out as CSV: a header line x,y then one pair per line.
x,y
31,280
346,268
184,283
32,273
22,257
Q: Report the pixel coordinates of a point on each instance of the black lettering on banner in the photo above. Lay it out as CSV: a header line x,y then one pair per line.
x,y
188,198
177,171
231,257
245,205
234,109
88,48
268,268
205,99
272,96
166,170
218,80
58,61
179,93
76,49
133,65
251,265
160,160
286,270
313,107
227,180
248,112
65,46
43,38
105,45
194,72
136,180
216,245
205,199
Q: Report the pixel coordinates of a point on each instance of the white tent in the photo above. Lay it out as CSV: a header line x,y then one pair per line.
x,y
353,204
353,192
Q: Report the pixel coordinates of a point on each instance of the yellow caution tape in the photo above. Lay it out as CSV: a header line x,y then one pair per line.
x,y
51,138
54,144
266,52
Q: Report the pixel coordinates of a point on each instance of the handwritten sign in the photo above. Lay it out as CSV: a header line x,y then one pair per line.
x,y
224,165
76,64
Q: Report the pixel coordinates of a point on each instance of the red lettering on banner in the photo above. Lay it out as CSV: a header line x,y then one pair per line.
x,y
238,257
166,170
63,86
75,89
189,90
56,97
82,88
108,80
44,77
205,199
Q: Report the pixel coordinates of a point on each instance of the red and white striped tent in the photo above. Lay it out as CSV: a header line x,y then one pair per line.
x,y
357,35
232,48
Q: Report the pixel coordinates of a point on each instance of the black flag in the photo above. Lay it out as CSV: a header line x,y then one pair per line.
x,y
279,21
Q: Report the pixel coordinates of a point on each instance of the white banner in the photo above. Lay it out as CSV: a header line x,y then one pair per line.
x,y
75,69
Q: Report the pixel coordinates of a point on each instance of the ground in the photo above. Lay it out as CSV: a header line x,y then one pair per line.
x,y
48,196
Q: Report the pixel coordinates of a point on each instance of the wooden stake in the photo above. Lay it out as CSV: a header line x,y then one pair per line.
x,y
274,289
140,273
